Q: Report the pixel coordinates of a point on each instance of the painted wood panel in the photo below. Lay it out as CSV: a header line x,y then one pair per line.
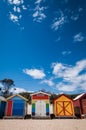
x,y
63,106
83,103
40,108
9,108
40,104
2,108
28,109
40,96
18,108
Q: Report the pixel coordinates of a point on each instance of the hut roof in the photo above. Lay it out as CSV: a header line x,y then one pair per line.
x,y
18,96
63,95
40,92
79,96
2,98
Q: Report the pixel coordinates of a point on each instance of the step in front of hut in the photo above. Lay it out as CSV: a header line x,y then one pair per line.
x,y
13,117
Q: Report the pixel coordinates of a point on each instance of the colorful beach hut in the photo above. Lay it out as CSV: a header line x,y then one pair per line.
x,y
63,106
40,105
2,106
80,105
16,106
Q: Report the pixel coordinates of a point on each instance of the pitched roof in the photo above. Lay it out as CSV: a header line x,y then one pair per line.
x,y
63,95
18,96
2,98
79,96
40,92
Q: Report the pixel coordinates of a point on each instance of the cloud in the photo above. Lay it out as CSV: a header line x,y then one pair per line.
x,y
58,21
35,73
48,82
17,9
66,87
38,1
80,9
75,17
16,2
79,37
17,90
39,14
65,53
58,67
24,7
72,77
14,18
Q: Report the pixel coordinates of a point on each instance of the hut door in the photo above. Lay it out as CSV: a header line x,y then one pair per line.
x,y
64,108
83,106
9,108
40,108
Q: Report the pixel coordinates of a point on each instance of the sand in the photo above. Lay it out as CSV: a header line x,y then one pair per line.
x,y
33,124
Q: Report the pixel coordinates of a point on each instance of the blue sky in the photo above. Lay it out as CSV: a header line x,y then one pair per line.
x,y
43,44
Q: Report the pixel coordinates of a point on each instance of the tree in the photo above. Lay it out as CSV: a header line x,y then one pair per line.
x,y
6,85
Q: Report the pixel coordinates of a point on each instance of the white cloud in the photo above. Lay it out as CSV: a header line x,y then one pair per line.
x,y
59,21
24,7
38,1
80,9
73,77
14,18
75,17
48,82
58,68
17,90
17,9
58,39
66,87
35,73
66,53
39,14
16,2
79,37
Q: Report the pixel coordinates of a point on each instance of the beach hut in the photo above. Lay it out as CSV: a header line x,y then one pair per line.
x,y
16,106
2,106
80,105
63,106
40,105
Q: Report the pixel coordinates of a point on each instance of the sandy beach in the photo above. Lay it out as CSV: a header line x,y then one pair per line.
x,y
55,124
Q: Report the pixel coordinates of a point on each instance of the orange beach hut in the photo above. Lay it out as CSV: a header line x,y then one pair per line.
x,y
63,106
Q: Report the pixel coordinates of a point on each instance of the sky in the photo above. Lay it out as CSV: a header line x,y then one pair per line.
x,y
43,45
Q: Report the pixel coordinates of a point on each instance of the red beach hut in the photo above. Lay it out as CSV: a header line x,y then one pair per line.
x,y
80,105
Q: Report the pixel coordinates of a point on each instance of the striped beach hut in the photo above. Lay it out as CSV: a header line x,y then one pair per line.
x,y
16,106
2,106
40,105
80,105
63,106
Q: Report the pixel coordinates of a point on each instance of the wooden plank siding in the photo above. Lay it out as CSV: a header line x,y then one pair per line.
x,y
16,106
63,106
80,105
40,105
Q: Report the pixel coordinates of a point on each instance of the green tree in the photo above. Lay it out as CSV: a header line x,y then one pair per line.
x,y
6,85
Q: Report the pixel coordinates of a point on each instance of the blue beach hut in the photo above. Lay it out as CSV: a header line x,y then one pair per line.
x,y
2,106
16,106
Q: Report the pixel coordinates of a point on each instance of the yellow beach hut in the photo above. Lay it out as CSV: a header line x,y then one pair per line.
x,y
63,106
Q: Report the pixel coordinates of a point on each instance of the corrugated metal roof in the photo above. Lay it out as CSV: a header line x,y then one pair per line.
x,y
2,98
79,96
